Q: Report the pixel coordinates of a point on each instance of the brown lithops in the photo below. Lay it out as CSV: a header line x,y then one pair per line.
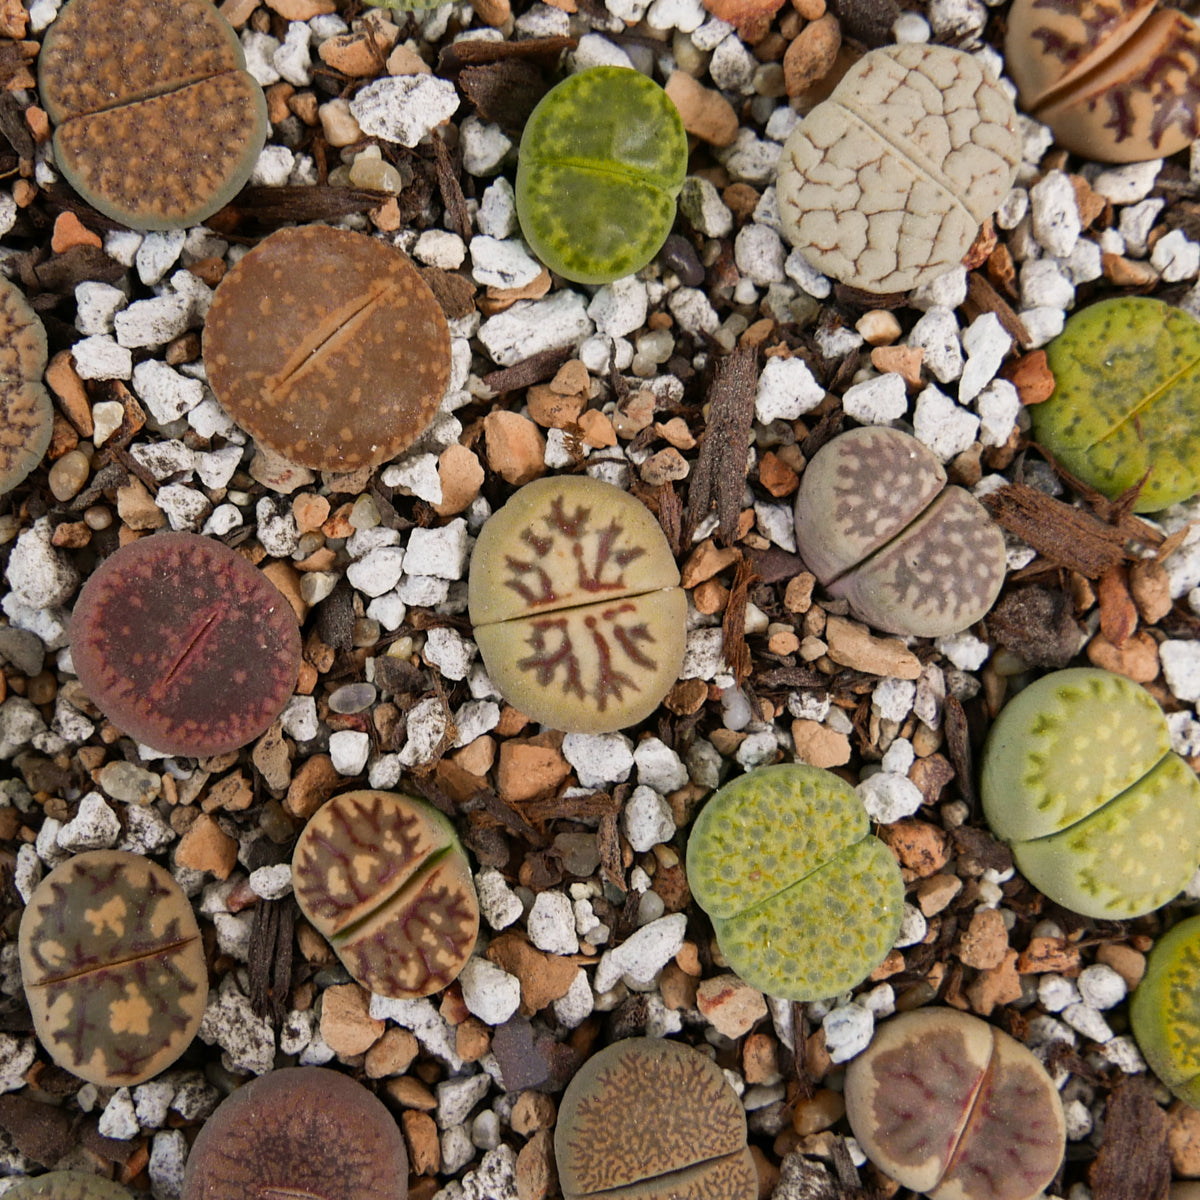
x,y
113,967
385,879
328,347
26,415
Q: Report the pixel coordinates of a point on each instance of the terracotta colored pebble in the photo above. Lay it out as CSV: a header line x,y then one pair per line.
x,y
552,409
530,767
69,231
515,448
984,941
1136,659
818,745
346,1026
852,645
1000,984
905,361
706,113
811,55
207,847
301,10
1049,954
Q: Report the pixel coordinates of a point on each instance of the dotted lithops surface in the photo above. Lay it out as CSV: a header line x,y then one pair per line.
x,y
26,415
328,347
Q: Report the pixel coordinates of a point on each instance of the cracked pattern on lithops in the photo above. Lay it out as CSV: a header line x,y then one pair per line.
x,y
1127,400
884,185
657,1120
1165,1010
602,159
184,645
113,967
384,878
26,414
67,1185
328,347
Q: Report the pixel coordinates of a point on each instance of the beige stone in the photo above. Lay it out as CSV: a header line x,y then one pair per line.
x,y
207,847
818,745
136,507
301,10
461,475
515,447
346,1025
392,1054
704,111
68,389
985,940
730,1005
421,1136
812,54
531,1112
553,409
852,645
530,766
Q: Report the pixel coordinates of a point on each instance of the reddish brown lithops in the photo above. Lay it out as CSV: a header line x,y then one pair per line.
x,y
951,1107
304,1133
384,878
649,1119
184,645
113,967
26,415
328,347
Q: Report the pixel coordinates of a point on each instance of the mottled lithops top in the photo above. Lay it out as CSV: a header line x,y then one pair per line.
x,y
68,1185
184,645
1116,80
26,414
328,347
656,1120
113,967
885,184
158,122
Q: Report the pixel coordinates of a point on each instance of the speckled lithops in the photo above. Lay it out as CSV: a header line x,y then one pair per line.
x,y
602,159
1079,777
885,184
158,122
68,1185
649,1119
577,607
955,1109
113,967
878,526
26,414
1126,400
384,877
328,347
804,900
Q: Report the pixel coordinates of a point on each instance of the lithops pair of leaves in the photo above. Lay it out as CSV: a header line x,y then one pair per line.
x,y
113,967
955,1109
26,414
576,603
804,900
1079,777
646,1119
158,122
68,1185
878,526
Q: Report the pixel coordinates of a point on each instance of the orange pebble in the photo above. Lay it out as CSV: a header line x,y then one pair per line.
x,y
69,231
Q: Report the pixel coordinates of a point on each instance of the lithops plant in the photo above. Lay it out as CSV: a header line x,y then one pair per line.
x,y
885,184
158,124
650,1119
184,645
68,1185
1079,777
804,900
576,603
26,414
299,1132
955,1109
1126,400
879,527
603,157
113,967
384,877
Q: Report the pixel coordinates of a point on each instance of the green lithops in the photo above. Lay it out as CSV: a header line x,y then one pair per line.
x,y
1079,777
804,900
67,1185
602,159
1126,400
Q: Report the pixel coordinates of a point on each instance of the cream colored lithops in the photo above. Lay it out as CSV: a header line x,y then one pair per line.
x,y
885,184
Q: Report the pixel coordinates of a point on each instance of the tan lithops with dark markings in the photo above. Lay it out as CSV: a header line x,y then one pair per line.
x,y
328,347
26,414
384,878
649,1119
113,967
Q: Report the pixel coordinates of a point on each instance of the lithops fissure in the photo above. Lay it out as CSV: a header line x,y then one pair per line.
x,y
26,414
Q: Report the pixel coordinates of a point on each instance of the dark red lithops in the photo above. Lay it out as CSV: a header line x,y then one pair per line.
x,y
184,645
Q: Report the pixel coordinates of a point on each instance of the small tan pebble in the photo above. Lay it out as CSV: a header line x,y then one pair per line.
x,y
207,847
741,199
760,1059
496,13
1129,963
24,192
553,409
529,767
536,1173
818,745
531,1112
997,985
634,414
810,10
707,560
338,123
931,772
753,336
983,943
964,469
337,524
304,104
687,697
1183,1139
571,378
919,847
783,642
68,389
421,1137
935,892
710,597
1090,204
301,10
238,12
453,1009
313,946
812,649
776,476
136,507
1148,584
346,1025
410,1092
36,119
1049,954
677,987
62,437
512,721
824,1110
853,645
287,579
687,958
271,756
676,433
310,511
354,54
313,783
705,113
797,596
816,1055
730,1005
904,361
70,535
478,756
812,54
69,474
1137,659
666,466
403,60
230,793
879,327
1031,376
69,231
472,1039
515,447
893,963
544,977
14,20
1127,272
277,96
596,430
1118,613
461,475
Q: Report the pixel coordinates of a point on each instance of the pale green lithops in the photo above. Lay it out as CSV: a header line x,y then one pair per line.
x,y
1079,777
602,159
955,1109
879,527
576,603
804,900
885,184
1126,400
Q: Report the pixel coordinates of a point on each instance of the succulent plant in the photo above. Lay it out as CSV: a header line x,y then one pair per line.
x,y
1079,777
67,1185
576,603
26,414
328,347
804,900
953,1108
1126,400
885,184
184,645
602,159
303,1132
385,879
158,122
877,525
113,967
650,1119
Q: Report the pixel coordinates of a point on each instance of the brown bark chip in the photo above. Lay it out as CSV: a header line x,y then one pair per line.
x,y
1134,1159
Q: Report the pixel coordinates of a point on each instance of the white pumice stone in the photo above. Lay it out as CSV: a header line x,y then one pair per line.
x,y
964,650
619,308
659,767
490,993
168,1158
1181,666
551,923
498,903
599,758
502,264
787,390
1087,1021
1101,986
1135,223
936,333
1127,184
456,1148
532,326
942,425
877,401
457,1097
888,797
643,954
646,820
96,304
348,750
404,108
998,406
94,827
848,1029
99,357
913,926
1056,993
1056,220
426,728
497,215
1175,257
484,147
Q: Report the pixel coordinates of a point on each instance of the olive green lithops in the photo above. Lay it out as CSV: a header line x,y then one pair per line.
x,y
113,967
576,603
1080,779
68,1185
602,159
26,414
1126,400
805,901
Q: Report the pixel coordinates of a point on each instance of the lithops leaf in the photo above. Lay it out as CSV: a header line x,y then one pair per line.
x,y
68,1185
26,414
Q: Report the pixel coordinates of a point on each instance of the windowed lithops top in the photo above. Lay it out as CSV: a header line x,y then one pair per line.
x,y
26,414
